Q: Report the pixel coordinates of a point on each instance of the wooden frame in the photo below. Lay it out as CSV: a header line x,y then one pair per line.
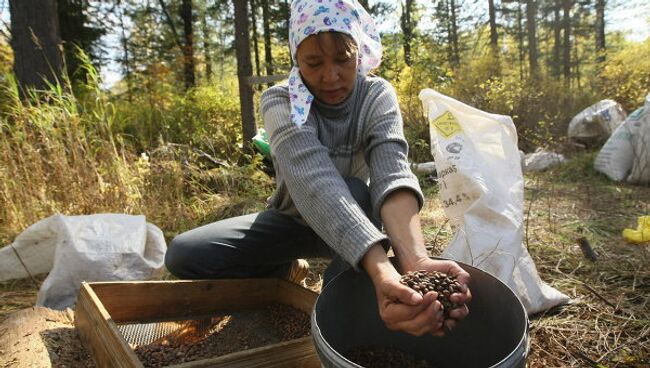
x,y
102,305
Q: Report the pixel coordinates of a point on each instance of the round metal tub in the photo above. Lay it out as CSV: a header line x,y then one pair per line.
x,y
495,334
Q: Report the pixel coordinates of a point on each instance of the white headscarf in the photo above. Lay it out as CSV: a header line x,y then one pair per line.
x,y
310,17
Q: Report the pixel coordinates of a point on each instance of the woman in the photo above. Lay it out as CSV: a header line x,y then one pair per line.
x,y
332,129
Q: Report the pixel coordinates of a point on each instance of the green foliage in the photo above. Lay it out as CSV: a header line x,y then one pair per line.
x,y
408,84
541,107
428,71
392,59
6,76
281,58
625,76
579,169
207,115
6,58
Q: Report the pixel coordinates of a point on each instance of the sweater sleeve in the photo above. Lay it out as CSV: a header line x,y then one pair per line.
x,y
386,148
317,189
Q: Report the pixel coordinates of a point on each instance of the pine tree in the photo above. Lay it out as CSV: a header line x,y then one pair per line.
x,y
79,31
35,40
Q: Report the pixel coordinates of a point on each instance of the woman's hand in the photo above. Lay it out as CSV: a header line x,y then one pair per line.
x,y
403,309
450,268
400,307
399,214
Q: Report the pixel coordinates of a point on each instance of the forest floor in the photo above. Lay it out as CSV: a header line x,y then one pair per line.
x,y
607,322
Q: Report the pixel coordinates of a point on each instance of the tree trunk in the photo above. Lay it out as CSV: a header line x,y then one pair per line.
x,y
495,54
188,47
36,41
557,39
520,39
365,5
576,57
287,7
494,36
453,35
531,28
566,46
600,30
126,62
244,70
222,45
444,14
256,48
268,52
407,29
206,46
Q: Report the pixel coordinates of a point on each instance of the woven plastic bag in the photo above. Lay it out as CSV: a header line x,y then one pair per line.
x,y
100,247
626,154
482,192
597,122
640,125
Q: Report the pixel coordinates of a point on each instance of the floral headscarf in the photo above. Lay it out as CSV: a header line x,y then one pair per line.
x,y
310,17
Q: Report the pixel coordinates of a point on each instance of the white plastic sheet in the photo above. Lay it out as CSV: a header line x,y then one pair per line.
x,y
101,247
482,192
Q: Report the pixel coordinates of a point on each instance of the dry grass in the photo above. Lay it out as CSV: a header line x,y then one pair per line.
x,y
68,153
607,323
56,159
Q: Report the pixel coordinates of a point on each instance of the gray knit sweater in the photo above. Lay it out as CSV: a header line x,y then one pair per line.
x,y
361,137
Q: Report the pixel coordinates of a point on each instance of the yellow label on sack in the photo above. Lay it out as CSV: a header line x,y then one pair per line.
x,y
447,125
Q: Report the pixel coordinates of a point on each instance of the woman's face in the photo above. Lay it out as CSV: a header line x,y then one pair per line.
x,y
329,71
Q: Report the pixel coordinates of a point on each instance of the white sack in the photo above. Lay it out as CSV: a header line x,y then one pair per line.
x,y
542,160
101,247
628,148
597,121
482,192
35,246
617,155
640,126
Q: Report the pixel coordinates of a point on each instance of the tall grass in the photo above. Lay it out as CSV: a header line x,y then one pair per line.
x,y
69,152
56,158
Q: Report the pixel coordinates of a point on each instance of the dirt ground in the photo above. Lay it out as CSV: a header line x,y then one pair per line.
x,y
41,337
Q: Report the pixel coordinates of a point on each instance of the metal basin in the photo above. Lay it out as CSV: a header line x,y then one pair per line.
x,y
495,334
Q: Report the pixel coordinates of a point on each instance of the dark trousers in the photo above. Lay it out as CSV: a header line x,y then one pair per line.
x,y
262,244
